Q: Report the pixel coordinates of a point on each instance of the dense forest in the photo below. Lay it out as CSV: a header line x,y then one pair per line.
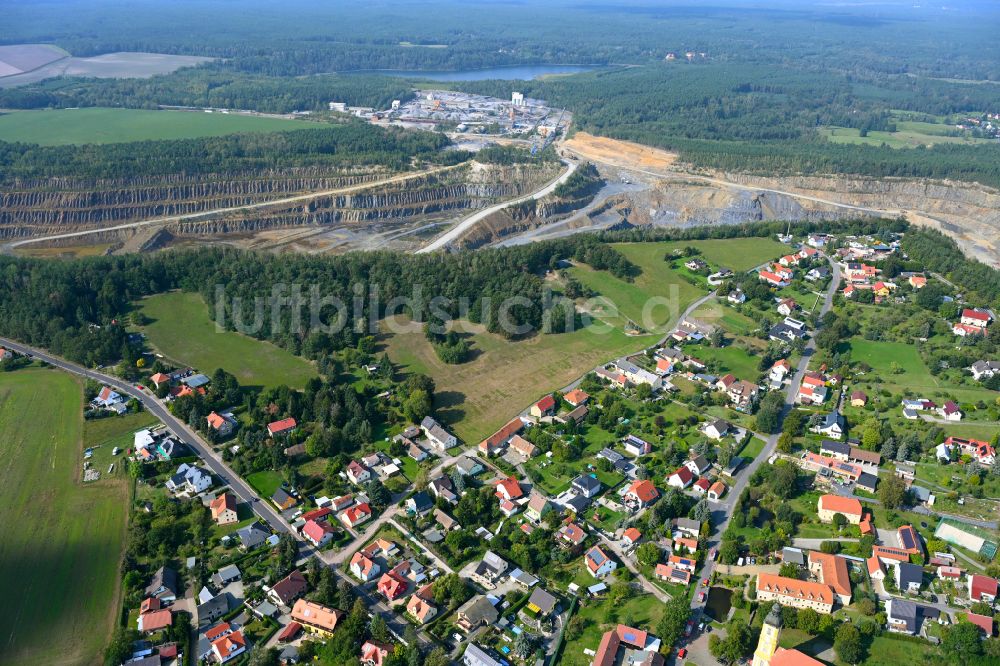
x,y
213,85
68,306
299,37
933,249
760,85
352,144
765,120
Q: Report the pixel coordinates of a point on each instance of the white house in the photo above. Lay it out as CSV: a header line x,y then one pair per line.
x,y
440,439
681,478
832,425
950,411
716,429
984,369
598,563
189,479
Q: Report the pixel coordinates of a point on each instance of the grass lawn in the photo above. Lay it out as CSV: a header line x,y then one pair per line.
x,y
265,483
62,540
912,375
635,300
889,651
182,331
111,430
733,322
604,517
752,449
738,254
99,125
731,359
600,616
477,397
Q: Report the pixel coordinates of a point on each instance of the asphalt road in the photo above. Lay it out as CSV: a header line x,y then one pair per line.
x,y
211,459
725,508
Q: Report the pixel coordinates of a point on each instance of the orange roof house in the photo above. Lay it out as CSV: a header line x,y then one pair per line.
x,y
224,509
576,397
392,586
155,620
830,505
642,493
495,441
160,378
794,592
509,489
316,618
783,657
229,646
832,571
281,427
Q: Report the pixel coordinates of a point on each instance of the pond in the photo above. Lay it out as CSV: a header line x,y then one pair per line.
x,y
513,73
718,603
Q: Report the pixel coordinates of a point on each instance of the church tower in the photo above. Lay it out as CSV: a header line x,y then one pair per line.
x,y
768,643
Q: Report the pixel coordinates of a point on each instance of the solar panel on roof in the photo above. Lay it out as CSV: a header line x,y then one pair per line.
x,y
907,537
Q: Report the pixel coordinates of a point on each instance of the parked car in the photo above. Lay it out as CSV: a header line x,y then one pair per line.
x,y
682,653
701,596
689,627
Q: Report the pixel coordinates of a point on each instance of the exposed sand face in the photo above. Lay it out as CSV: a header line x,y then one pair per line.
x,y
620,153
968,212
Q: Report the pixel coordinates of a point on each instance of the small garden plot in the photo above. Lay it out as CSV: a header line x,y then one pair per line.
x,y
604,517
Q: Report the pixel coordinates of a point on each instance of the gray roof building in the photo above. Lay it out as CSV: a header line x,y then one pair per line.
x,y
793,555
212,609
468,466
587,485
476,656
543,601
902,612
908,575
252,536
838,448
163,584
867,481
476,612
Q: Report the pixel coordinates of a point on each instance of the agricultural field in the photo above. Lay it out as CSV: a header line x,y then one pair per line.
x,y
181,330
477,397
53,127
62,540
908,134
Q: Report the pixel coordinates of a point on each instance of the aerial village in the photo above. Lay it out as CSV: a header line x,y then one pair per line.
x,y
663,508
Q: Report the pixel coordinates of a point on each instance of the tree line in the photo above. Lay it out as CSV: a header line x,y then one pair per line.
x,y
347,145
75,308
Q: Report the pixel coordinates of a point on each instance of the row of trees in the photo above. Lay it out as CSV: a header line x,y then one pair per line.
x,y
351,144
68,306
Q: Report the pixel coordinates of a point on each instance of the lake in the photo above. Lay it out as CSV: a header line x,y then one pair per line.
x,y
513,73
